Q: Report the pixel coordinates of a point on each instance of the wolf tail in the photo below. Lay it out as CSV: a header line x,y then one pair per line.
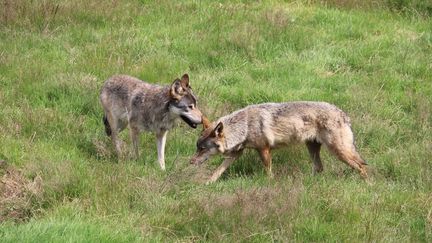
x,y
107,125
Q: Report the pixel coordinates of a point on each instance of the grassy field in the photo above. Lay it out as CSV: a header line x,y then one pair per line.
x,y
60,181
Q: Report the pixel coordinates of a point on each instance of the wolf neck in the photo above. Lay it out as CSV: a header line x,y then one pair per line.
x,y
162,99
235,130
158,117
164,103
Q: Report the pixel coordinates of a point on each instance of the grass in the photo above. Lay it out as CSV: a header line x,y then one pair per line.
x,y
373,61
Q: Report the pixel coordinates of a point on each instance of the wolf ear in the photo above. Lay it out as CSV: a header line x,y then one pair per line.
x,y
185,80
218,131
206,122
176,90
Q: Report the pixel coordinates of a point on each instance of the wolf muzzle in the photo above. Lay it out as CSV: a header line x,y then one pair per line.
x,y
188,121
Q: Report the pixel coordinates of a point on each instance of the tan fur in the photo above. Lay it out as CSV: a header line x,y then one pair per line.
x,y
129,101
272,125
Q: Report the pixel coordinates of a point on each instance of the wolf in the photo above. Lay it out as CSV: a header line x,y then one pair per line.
x,y
272,125
147,107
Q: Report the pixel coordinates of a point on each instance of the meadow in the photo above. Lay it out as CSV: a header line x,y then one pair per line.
x,y
60,180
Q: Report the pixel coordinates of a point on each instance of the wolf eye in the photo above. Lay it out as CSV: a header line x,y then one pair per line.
x,y
191,107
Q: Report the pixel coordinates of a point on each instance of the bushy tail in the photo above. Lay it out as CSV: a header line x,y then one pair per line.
x,y
107,125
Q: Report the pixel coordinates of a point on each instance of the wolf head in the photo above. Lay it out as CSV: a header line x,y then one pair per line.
x,y
183,102
210,143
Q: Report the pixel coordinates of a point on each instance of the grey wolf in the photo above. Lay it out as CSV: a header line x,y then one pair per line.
x,y
272,125
155,108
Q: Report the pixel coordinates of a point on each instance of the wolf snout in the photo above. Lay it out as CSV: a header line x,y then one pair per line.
x,y
197,120
191,121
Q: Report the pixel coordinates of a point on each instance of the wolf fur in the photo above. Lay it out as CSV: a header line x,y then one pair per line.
x,y
272,125
146,107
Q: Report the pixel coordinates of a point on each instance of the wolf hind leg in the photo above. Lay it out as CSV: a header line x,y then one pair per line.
x,y
107,125
134,135
115,126
114,134
314,148
119,125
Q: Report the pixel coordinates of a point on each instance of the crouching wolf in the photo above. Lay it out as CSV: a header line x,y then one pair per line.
x,y
128,100
272,125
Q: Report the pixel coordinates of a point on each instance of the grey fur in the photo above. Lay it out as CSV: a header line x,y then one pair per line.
x,y
147,107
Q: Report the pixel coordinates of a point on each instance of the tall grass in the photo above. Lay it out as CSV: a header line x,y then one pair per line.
x,y
373,61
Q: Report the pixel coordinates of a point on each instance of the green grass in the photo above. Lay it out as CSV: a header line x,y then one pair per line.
x,y
373,61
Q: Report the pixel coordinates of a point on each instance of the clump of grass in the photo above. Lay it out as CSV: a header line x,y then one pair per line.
x,y
17,194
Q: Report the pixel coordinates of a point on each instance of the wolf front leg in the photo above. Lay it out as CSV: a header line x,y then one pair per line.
x,y
161,141
225,164
266,160
314,151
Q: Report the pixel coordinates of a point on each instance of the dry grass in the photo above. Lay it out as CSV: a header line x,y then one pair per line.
x,y
16,193
27,12
46,16
351,4
257,203
279,17
417,7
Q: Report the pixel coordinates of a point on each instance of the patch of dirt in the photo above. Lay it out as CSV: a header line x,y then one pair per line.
x,y
16,193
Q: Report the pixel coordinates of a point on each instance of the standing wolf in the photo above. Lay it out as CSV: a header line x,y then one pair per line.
x,y
272,125
128,100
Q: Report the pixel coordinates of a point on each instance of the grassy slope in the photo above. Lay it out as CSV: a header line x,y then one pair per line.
x,y
373,64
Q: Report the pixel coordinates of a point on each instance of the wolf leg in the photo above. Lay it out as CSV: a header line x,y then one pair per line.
x,y
134,134
267,160
161,141
117,144
107,125
225,164
314,152
113,123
